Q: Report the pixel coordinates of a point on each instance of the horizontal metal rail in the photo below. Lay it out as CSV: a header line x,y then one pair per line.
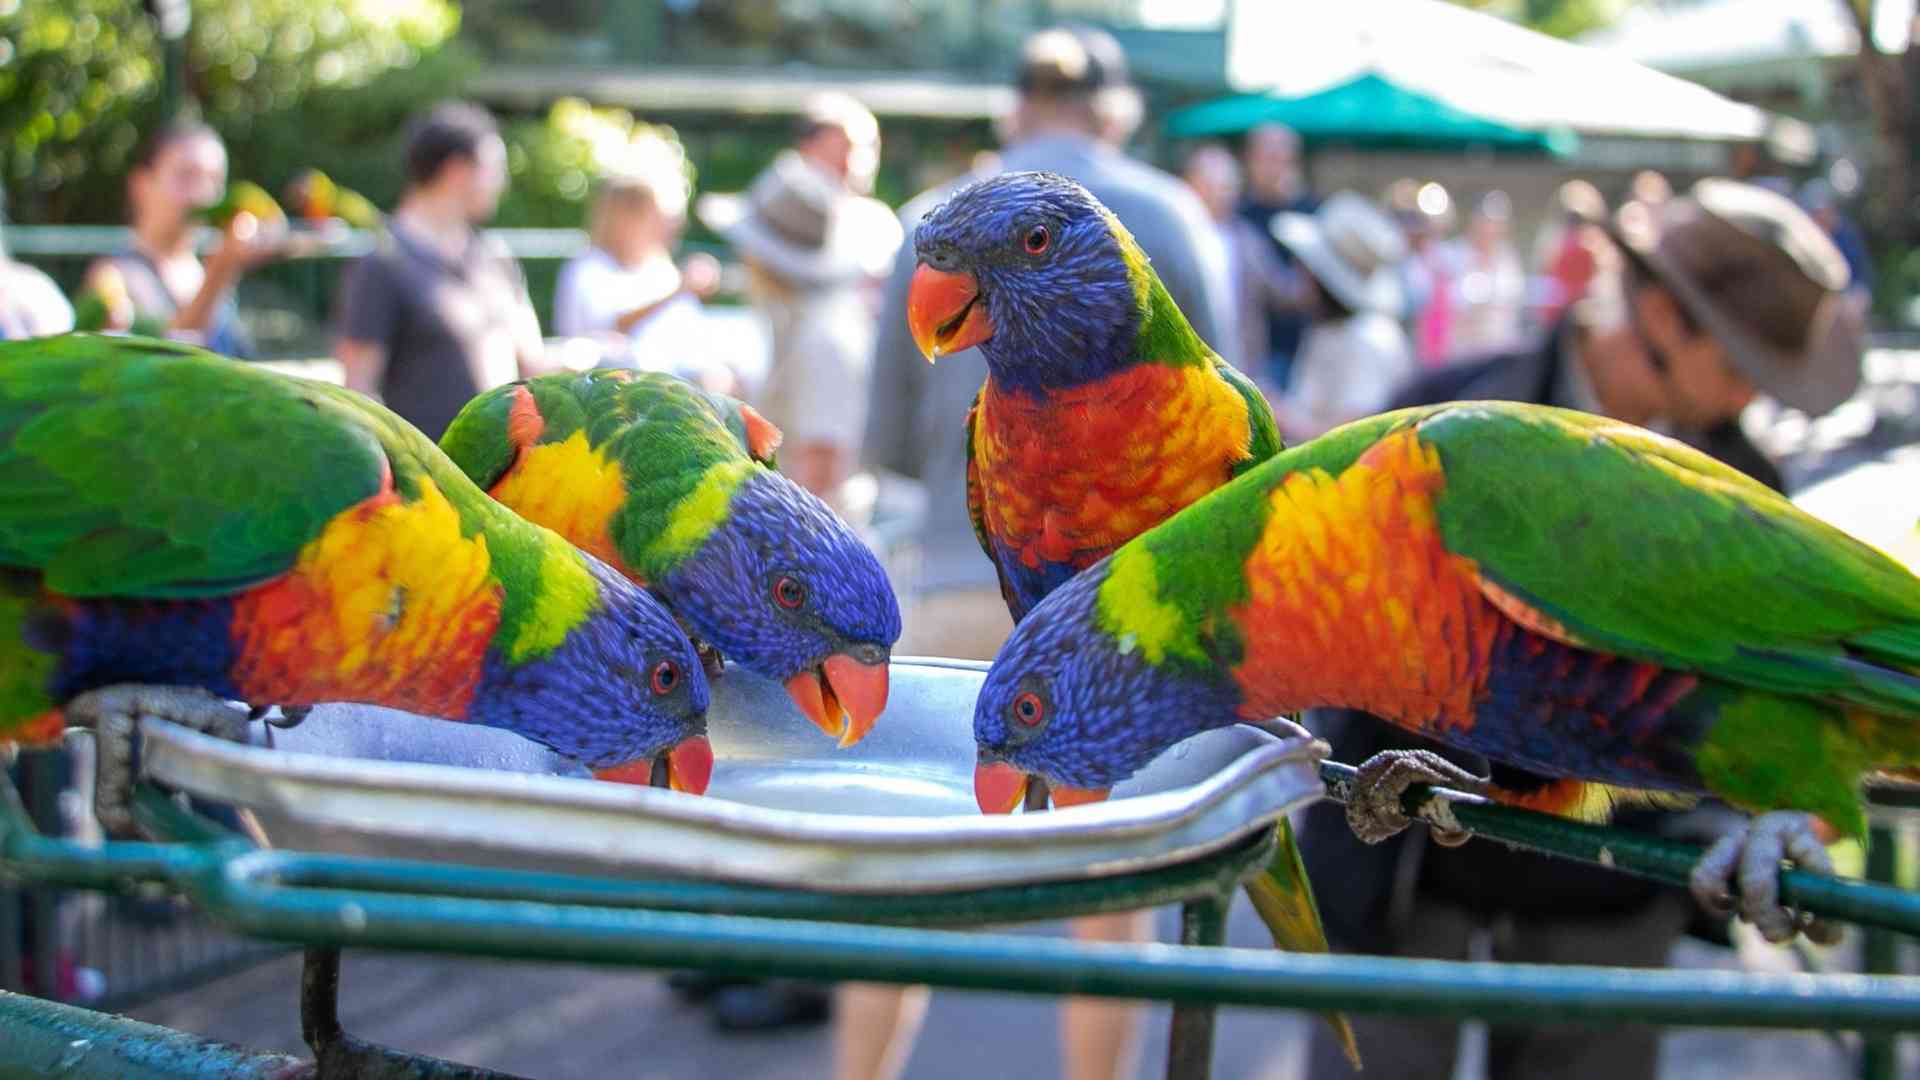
x,y
1670,861
45,1038
414,907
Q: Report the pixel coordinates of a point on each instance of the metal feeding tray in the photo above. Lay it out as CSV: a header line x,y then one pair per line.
x,y
894,814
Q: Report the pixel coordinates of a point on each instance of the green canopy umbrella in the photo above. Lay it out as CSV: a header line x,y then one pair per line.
x,y
1368,110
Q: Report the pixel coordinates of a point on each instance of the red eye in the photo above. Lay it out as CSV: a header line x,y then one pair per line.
x,y
1028,710
666,676
789,593
1037,239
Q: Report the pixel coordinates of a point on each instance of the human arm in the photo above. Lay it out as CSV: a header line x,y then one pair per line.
x,y
368,319
243,245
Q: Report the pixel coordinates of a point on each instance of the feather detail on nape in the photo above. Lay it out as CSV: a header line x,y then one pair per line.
x,y
524,422
763,436
1584,800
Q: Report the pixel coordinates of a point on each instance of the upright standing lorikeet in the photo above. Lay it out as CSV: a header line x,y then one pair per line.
x,y
676,488
172,519
1103,414
1605,613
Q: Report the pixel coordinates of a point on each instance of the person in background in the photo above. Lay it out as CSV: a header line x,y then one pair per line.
x,y
31,305
815,248
1491,294
1073,95
159,282
1649,188
625,293
1276,185
1570,248
1425,215
1258,280
1355,354
439,312
1714,297
1819,200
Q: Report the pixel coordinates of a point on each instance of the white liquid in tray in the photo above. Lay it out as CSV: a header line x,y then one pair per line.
x,y
867,789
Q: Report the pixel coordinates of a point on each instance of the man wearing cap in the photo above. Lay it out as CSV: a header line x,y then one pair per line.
x,y
1074,99
1716,296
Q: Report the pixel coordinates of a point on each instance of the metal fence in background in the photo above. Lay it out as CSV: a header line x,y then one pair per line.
x,y
286,305
106,951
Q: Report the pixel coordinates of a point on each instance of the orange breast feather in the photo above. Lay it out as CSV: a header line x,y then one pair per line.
x,y
1069,478
1354,601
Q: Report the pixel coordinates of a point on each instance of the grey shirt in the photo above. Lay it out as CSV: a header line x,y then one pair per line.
x,y
450,328
916,424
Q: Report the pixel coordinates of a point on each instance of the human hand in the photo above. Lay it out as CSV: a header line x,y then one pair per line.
x,y
700,275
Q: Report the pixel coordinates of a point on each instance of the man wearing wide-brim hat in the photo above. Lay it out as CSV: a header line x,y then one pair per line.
x,y
815,250
1707,300
1355,355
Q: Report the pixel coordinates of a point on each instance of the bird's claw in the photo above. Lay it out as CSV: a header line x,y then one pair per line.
x,y
1741,872
1374,809
113,713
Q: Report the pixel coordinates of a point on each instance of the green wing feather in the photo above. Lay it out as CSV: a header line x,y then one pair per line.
x,y
135,467
977,510
1647,548
1266,430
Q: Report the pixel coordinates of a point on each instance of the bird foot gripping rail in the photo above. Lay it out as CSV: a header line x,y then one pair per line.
x,y
326,901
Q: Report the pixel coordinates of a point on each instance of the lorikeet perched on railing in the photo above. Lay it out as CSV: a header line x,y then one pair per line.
x,y
676,488
178,530
1605,613
1103,413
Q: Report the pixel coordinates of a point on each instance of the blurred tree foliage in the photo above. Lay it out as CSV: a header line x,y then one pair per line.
x,y
555,160
289,83
1561,18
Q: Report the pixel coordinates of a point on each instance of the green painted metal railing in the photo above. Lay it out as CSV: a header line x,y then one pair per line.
x,y
335,901
349,901
1866,903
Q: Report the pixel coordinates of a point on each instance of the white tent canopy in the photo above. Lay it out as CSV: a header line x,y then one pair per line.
x,y
1479,64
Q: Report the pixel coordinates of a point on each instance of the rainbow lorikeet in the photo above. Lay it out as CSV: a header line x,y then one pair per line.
x,y
178,530
1605,613
315,197
244,196
1103,413
677,488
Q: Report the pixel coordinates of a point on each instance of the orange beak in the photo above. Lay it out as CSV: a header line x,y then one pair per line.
x,y
687,767
945,312
843,696
1000,788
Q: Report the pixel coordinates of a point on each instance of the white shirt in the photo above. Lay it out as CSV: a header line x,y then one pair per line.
x,y
594,291
1347,369
31,305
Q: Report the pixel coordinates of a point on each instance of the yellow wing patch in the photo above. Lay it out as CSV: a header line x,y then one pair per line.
x,y
571,488
389,605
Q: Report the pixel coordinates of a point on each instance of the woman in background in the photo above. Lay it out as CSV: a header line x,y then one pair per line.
x,y
160,280
1355,353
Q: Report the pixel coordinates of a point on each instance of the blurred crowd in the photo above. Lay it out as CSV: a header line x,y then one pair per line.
x,y
1672,309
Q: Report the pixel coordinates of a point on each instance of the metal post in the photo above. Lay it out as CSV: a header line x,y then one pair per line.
x,y
1880,1055
1203,921
338,1054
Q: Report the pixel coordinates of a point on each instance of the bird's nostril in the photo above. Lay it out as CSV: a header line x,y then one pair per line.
x,y
869,653
940,256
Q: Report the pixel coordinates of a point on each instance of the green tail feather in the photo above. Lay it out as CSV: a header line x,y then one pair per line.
x,y
1284,898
